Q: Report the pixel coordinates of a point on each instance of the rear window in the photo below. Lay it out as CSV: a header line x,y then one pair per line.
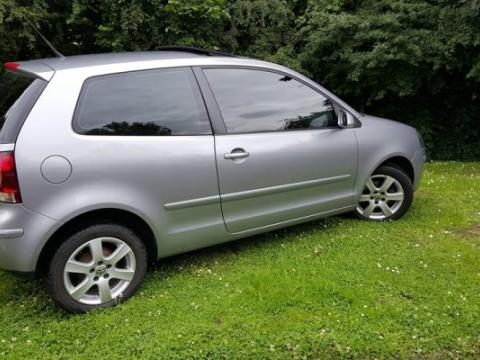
x,y
18,94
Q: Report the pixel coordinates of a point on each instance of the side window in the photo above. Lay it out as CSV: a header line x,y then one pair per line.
x,y
256,100
142,103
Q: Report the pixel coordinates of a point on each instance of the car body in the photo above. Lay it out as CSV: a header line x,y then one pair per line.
x,y
183,191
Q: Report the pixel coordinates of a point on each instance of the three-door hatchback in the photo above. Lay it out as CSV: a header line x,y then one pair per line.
x,y
111,161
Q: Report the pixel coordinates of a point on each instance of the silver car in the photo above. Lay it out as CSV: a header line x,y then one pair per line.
x,y
111,161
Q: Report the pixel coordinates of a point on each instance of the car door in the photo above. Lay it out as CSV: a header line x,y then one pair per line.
x,y
282,157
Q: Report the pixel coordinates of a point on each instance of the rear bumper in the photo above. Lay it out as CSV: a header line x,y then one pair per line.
x,y
419,160
22,236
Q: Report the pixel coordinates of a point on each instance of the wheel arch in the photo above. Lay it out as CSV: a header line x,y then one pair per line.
x,y
98,216
401,163
398,160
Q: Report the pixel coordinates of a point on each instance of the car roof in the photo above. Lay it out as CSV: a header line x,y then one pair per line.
x,y
45,68
70,62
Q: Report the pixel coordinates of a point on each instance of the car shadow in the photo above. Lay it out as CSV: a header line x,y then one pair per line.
x,y
170,265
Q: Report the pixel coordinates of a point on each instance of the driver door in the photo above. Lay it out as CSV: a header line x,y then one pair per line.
x,y
283,156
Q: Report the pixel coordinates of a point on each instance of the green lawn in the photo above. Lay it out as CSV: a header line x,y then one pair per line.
x,y
336,288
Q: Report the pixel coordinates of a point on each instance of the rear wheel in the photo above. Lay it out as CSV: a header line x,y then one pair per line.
x,y
97,267
387,195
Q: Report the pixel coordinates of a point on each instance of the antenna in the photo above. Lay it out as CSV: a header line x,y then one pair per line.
x,y
49,44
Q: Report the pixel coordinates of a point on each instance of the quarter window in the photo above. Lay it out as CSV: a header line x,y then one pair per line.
x,y
142,103
256,100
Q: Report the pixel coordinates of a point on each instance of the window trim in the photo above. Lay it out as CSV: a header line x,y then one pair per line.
x,y
217,121
195,87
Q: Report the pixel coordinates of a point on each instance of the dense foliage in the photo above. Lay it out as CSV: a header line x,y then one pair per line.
x,y
413,60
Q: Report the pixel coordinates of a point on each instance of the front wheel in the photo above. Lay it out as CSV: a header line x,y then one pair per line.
x,y
387,195
97,267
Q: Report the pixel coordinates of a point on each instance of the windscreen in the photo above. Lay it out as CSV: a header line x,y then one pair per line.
x,y
18,94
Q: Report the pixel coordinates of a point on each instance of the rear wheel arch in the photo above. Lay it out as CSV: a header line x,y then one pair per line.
x,y
99,216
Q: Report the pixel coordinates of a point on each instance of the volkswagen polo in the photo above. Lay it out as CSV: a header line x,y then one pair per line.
x,y
111,161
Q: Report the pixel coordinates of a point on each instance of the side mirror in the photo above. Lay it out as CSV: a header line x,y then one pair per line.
x,y
345,119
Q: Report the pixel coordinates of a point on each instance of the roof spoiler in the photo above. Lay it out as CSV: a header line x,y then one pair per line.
x,y
31,68
193,50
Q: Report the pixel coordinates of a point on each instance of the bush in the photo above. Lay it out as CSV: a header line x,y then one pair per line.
x,y
411,60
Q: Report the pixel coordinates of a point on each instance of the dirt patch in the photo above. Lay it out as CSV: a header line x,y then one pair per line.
x,y
471,231
422,194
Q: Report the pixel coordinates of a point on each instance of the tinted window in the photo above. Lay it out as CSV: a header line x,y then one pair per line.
x,y
143,103
18,94
255,100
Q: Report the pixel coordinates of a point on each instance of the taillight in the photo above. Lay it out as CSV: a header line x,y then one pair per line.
x,y
9,189
11,66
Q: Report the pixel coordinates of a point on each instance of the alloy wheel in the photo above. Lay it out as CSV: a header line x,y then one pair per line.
x,y
99,271
382,197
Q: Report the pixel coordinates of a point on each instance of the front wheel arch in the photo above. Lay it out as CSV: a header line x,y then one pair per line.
x,y
401,163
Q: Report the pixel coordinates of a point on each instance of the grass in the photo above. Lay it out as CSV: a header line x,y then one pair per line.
x,y
336,288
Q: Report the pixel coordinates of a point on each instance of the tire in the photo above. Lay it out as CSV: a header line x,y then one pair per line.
x,y
107,264
379,201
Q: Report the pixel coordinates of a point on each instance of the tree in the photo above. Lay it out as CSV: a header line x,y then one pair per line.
x,y
412,60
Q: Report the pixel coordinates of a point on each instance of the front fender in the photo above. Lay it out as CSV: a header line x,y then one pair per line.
x,y
380,140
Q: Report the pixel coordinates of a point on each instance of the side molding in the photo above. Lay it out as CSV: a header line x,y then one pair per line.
x,y
253,193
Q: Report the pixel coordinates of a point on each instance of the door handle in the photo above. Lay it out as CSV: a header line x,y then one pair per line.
x,y
236,154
